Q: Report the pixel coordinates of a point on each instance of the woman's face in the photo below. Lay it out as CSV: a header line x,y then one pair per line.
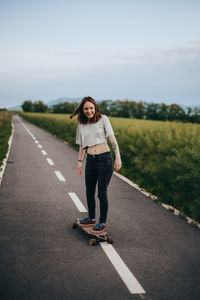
x,y
89,109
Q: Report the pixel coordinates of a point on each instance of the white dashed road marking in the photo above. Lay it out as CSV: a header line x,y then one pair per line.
x,y
77,202
44,152
60,176
51,163
40,146
122,269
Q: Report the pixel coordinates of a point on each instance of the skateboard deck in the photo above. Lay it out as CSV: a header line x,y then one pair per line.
x,y
97,237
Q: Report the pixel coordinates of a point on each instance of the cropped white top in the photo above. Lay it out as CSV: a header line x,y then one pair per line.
x,y
94,133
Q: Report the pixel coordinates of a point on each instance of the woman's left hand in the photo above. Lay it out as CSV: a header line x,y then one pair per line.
x,y
118,164
79,168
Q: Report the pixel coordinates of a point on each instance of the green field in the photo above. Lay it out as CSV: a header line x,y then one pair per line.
x,y
5,132
162,157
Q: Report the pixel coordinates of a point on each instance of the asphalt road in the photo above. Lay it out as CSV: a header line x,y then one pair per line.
x,y
41,257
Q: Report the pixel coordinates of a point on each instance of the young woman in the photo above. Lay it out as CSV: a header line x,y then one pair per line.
x,y
92,133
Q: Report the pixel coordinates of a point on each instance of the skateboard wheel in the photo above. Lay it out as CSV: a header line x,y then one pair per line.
x,y
92,242
73,225
109,241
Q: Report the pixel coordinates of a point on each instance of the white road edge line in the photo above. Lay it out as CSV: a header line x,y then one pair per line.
x,y
128,278
60,176
125,179
50,161
77,202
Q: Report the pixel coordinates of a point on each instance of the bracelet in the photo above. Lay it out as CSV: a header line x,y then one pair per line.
x,y
79,160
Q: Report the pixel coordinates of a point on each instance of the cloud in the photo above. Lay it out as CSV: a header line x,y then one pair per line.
x,y
177,53
168,55
168,75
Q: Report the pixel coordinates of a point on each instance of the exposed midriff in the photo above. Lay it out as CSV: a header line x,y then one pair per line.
x,y
98,149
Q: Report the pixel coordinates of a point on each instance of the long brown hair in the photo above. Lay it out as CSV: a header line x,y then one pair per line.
x,y
81,116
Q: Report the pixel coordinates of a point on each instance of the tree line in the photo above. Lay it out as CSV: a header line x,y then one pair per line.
x,y
125,109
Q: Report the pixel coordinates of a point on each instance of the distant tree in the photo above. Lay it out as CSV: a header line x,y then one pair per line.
x,y
64,108
133,109
194,115
113,108
176,113
27,106
188,114
157,111
125,108
196,110
152,111
163,112
189,111
104,106
140,110
56,108
39,106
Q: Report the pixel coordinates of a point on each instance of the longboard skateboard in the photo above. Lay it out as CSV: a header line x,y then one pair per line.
x,y
97,237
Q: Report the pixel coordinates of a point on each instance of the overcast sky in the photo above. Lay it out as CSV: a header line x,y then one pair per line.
x,y
109,49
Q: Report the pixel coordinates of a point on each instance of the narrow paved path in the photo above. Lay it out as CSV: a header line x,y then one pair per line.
x,y
42,258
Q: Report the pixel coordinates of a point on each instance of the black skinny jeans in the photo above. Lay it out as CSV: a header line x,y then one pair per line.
x,y
99,168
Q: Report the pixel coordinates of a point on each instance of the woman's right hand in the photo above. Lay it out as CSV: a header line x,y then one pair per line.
x,y
79,168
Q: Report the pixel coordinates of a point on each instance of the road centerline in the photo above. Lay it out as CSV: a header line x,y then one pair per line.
x,y
77,202
126,275
44,152
60,176
50,162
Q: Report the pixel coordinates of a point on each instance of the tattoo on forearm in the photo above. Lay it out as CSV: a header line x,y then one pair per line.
x,y
114,145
